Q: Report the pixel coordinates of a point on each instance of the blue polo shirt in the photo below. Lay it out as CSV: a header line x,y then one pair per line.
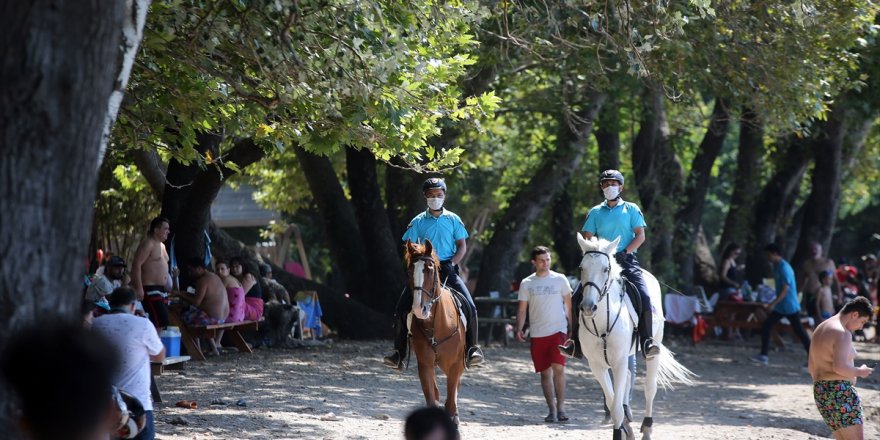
x,y
784,275
443,231
609,223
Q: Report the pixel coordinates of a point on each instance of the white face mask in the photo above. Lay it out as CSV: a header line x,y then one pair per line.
x,y
435,203
611,192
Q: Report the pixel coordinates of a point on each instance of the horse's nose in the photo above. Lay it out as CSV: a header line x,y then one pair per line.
x,y
593,309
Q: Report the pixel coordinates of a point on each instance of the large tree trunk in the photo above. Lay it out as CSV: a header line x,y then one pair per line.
x,y
500,255
773,211
61,63
563,230
190,190
403,194
607,135
690,214
820,209
340,226
659,176
385,264
748,176
345,315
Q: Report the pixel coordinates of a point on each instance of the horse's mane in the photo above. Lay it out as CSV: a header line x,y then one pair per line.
x,y
413,251
597,245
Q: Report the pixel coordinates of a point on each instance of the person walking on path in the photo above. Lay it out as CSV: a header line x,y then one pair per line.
x,y
785,305
546,296
832,367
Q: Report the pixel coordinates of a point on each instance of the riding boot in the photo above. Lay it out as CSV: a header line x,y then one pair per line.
x,y
474,354
572,347
396,358
646,321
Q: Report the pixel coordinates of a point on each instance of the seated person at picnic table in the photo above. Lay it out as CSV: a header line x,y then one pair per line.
x,y
272,289
234,292
253,298
728,273
209,304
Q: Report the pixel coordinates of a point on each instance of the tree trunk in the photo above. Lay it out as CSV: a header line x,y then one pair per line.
x,y
403,194
61,63
690,214
347,316
563,230
190,191
607,135
385,264
340,226
152,168
820,209
500,255
748,176
773,210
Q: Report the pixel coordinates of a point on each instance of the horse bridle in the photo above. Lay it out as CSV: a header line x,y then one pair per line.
x,y
432,294
604,290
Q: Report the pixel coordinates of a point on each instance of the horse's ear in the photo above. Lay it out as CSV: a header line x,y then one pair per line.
x,y
582,242
429,248
612,247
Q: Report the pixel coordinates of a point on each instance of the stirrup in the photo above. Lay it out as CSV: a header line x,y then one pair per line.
x,y
394,360
650,348
474,356
568,348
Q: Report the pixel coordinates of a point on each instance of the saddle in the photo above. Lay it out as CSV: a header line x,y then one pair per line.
x,y
457,299
633,301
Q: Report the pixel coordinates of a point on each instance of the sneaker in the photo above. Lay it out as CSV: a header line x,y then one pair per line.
x,y
394,360
651,349
760,359
475,357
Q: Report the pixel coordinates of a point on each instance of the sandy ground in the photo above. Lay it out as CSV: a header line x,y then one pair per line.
x,y
291,393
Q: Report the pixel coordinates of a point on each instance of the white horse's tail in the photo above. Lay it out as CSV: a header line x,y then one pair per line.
x,y
670,371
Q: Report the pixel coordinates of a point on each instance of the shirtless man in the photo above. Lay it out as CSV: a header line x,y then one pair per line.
x,y
808,279
149,272
209,304
834,373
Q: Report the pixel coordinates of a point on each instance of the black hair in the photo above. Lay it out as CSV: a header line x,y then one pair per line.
x,y
61,376
87,308
247,266
157,223
729,250
195,262
122,296
422,422
539,250
858,304
773,249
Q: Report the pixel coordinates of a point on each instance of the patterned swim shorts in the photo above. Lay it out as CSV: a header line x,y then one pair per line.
x,y
838,403
195,316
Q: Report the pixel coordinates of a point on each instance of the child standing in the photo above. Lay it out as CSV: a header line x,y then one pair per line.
x,y
824,302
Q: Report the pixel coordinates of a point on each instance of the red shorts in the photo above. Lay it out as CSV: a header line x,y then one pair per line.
x,y
545,352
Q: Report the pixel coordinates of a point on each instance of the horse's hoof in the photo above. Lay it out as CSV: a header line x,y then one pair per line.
x,y
455,421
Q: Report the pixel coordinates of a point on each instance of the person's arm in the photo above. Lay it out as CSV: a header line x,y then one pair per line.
x,y
725,266
198,297
779,296
461,248
521,320
841,364
636,241
158,357
140,257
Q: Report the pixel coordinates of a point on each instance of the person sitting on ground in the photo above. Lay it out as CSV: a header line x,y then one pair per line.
x,y
137,340
272,289
253,298
833,371
61,379
824,299
728,273
429,423
546,296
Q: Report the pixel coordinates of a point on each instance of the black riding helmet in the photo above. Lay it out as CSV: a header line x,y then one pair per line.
x,y
434,183
611,175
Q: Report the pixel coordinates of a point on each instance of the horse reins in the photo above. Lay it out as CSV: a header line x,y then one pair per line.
x,y
434,296
603,293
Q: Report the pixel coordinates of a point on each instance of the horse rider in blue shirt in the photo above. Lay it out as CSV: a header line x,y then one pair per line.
x,y
447,234
609,220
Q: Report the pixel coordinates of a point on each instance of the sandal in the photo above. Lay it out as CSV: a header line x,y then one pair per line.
x,y
551,418
561,417
189,404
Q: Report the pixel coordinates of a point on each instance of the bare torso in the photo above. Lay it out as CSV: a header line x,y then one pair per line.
x,y
824,346
810,271
826,302
154,269
215,303
231,282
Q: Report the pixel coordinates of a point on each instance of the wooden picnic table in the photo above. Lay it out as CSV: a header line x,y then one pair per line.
x,y
507,315
749,315
159,367
189,335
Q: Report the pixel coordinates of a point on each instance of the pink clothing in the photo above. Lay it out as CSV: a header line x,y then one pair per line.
x,y
253,310
236,304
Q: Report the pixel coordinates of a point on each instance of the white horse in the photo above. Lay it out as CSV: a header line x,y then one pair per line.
x,y
607,337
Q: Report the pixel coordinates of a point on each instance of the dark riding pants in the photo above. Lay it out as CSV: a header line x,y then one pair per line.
x,y
630,270
449,277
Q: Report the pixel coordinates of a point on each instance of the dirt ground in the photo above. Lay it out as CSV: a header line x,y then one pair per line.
x,y
342,391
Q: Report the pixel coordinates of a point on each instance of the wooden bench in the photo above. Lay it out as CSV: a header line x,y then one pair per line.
x,y
157,368
749,315
189,335
507,307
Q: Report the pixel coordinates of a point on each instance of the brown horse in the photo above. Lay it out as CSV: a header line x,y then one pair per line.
x,y
437,332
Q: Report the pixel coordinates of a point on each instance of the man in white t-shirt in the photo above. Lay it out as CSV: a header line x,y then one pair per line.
x,y
138,343
546,296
